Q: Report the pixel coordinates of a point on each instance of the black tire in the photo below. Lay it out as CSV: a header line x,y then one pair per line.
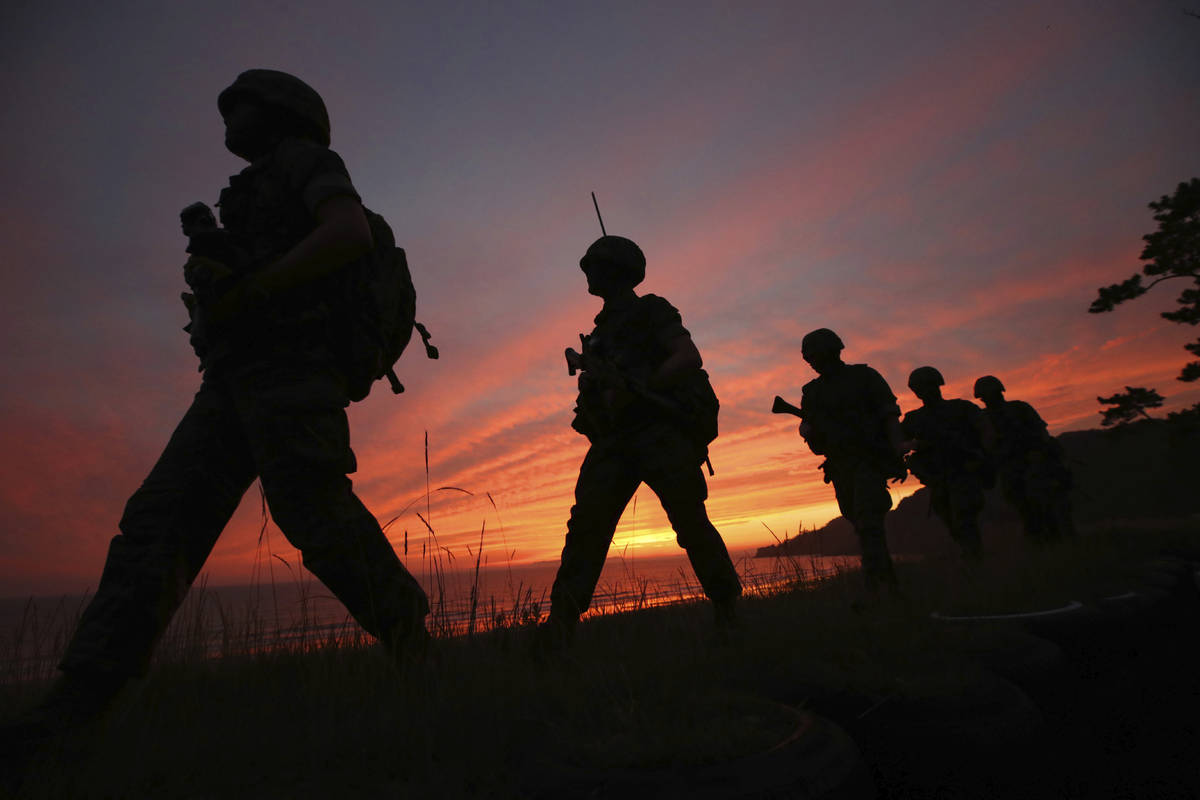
x,y
952,745
1161,593
1034,664
992,713
818,760
1068,623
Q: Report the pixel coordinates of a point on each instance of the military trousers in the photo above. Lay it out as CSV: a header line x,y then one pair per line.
x,y
665,460
1040,490
860,486
286,425
957,500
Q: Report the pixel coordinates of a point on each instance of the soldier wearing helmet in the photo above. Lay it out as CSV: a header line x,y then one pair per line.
x,y
949,440
1031,465
850,416
271,406
648,411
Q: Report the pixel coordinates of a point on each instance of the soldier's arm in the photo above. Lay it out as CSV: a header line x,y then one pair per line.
x,y
884,400
682,358
340,236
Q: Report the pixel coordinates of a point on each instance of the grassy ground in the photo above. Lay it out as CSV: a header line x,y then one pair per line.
x,y
479,717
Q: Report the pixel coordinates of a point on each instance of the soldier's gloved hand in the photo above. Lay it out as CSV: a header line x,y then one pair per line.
x,y
245,296
202,272
617,397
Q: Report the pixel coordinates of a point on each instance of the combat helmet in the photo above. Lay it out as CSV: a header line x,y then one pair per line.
x,y
618,254
821,340
283,91
988,384
925,375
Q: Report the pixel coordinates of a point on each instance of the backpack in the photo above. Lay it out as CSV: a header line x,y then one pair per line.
x,y
374,318
700,405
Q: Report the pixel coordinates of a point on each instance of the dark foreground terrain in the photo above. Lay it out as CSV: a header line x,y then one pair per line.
x,y
817,695
1120,720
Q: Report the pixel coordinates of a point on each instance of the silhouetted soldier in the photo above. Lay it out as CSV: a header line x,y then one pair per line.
x,y
949,441
649,412
1031,464
850,416
271,405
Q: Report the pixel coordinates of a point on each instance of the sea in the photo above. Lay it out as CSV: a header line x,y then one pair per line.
x,y
282,611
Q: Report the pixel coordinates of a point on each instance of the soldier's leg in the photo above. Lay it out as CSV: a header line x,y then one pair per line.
x,y
939,505
1017,495
1064,517
1060,522
965,503
607,481
168,529
867,500
300,439
679,483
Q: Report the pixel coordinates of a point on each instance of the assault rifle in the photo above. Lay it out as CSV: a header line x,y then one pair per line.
x,y
209,275
608,375
781,406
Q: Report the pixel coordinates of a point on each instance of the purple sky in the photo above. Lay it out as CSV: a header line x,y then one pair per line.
x,y
943,183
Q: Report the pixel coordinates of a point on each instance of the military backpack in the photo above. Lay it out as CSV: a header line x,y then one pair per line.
x,y
374,318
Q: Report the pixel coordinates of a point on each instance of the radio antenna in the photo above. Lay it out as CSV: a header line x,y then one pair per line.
x,y
597,205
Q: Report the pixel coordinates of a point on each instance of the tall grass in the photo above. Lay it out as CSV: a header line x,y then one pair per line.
x,y
248,701
324,713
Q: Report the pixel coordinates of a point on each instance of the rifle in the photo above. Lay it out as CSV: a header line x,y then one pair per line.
x,y
608,374
781,406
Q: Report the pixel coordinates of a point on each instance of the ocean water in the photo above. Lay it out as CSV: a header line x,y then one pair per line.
x,y
288,612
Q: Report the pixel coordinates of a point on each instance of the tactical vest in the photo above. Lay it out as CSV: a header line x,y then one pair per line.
x,y
628,340
363,313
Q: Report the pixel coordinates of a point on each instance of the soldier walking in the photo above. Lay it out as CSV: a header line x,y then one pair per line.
x,y
648,410
850,416
949,439
271,405
1034,476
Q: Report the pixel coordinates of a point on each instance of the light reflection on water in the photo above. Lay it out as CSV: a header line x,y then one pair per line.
x,y
229,620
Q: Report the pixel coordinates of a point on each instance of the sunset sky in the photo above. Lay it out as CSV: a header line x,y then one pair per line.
x,y
942,183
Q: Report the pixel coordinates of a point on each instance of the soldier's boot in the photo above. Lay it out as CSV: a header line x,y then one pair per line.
x,y
406,642
556,635
879,574
78,698
970,541
726,621
75,702
725,614
1062,518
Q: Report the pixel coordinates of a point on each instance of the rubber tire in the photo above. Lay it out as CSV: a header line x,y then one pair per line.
x,y
818,760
